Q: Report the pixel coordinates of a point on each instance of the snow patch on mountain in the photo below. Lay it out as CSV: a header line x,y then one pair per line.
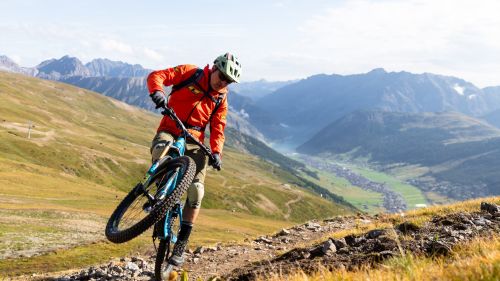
x,y
459,89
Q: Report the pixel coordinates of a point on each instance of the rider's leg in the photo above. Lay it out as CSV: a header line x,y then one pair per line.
x,y
190,214
158,144
196,190
193,203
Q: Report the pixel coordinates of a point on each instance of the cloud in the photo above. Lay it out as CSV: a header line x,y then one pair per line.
x,y
116,46
152,54
16,58
420,35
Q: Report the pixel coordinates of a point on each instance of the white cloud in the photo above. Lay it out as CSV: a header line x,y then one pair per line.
x,y
152,54
116,46
281,39
15,58
449,37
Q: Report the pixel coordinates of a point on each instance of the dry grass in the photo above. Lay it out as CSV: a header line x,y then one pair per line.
x,y
419,216
478,259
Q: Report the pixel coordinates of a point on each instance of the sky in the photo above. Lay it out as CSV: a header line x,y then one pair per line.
x,y
274,39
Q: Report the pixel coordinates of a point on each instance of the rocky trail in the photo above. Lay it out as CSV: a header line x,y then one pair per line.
x,y
286,251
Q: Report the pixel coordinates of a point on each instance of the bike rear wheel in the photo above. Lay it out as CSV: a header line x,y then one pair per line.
x,y
139,210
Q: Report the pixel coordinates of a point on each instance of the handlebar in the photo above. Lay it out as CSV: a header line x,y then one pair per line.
x,y
170,113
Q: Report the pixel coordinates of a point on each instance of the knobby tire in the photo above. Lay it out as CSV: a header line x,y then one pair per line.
x,y
116,235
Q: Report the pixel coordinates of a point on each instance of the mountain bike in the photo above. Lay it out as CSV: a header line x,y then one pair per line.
x,y
156,200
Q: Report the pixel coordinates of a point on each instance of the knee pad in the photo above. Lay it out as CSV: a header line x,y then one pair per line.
x,y
195,194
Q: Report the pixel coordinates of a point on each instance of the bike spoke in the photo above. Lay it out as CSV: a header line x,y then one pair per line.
x,y
133,212
136,212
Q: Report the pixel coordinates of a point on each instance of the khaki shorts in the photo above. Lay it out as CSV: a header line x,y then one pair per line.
x,y
192,150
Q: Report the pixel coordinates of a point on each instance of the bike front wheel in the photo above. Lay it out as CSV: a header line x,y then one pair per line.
x,y
140,209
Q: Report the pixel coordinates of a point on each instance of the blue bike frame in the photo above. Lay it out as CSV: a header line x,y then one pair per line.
x,y
177,149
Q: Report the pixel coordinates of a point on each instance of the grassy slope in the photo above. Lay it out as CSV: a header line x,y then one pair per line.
x,y
85,152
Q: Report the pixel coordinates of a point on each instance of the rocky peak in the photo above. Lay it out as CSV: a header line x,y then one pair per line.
x,y
7,64
66,66
377,71
109,68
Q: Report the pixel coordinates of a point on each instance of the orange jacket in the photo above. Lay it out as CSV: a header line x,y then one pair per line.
x,y
191,105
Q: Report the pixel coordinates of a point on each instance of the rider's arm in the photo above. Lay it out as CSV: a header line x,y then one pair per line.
x,y
170,76
217,125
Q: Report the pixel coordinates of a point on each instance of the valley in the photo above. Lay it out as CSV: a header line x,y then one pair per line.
x,y
393,195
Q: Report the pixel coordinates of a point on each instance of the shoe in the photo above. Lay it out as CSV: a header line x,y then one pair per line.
x,y
169,273
177,257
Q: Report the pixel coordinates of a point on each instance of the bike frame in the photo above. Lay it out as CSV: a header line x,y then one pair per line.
x,y
179,147
174,150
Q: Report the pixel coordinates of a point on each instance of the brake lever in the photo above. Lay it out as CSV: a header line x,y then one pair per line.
x,y
170,112
166,110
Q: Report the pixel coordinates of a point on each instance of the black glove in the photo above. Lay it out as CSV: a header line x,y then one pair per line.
x,y
217,162
158,98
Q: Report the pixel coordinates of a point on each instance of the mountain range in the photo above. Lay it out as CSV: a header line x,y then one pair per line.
x,y
258,89
310,113
307,106
291,110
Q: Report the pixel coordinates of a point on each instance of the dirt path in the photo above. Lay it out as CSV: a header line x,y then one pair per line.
x,y
289,209
213,260
223,179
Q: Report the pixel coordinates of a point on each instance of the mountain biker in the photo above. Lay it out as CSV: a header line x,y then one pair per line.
x,y
200,102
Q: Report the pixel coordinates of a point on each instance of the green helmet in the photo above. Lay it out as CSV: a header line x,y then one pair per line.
x,y
230,66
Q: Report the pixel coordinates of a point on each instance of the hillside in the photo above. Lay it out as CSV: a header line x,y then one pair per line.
x,y
448,153
256,116
85,151
493,118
